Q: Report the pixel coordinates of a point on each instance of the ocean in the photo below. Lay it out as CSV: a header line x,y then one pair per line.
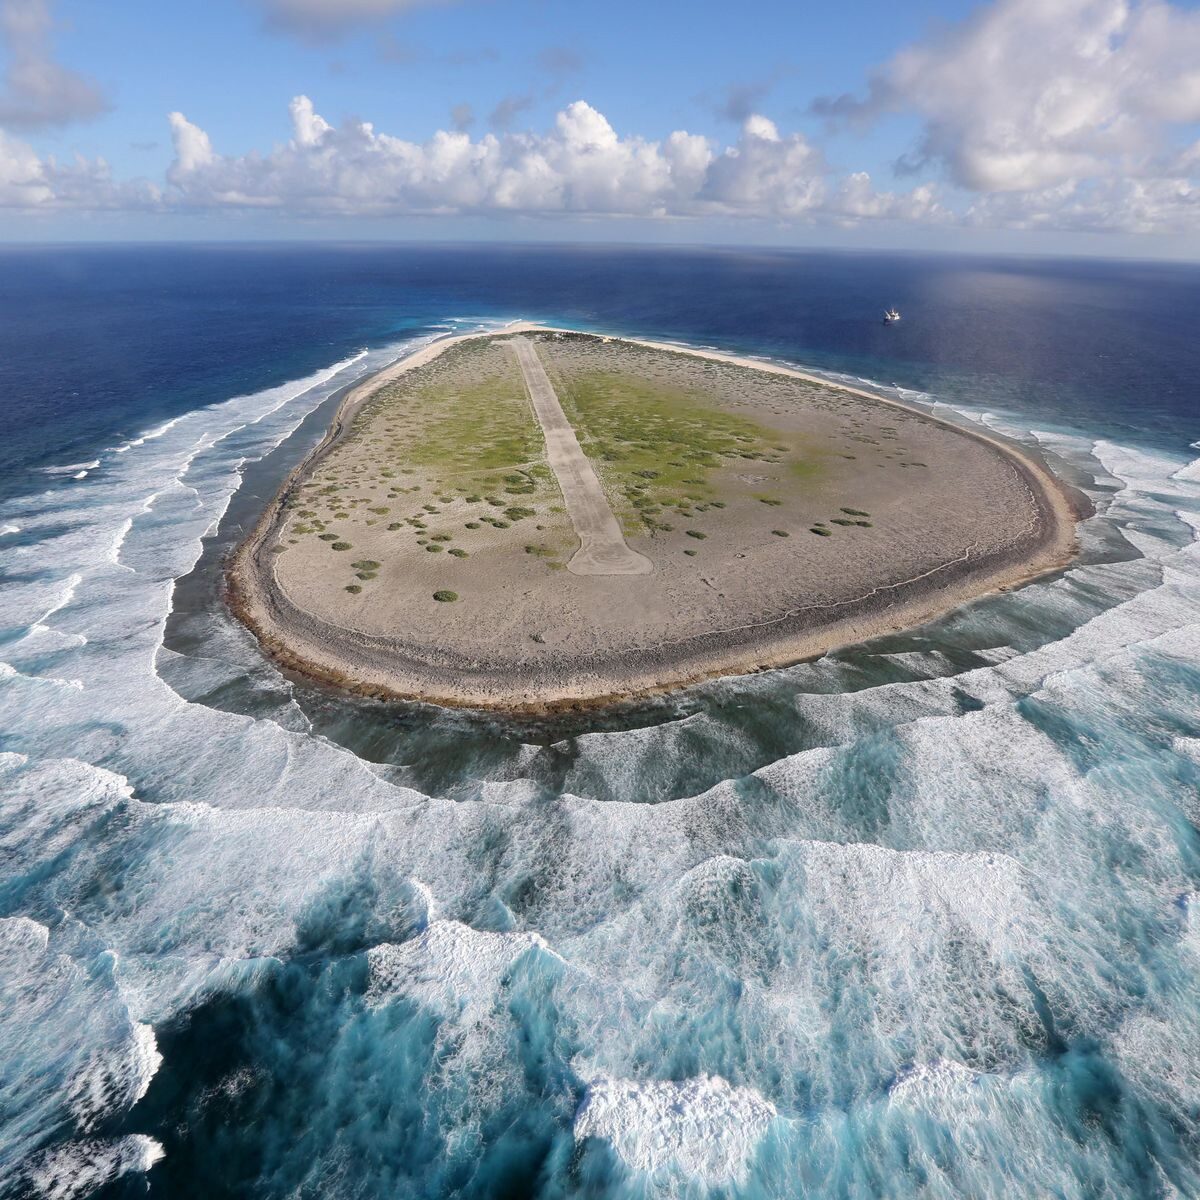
x,y
918,919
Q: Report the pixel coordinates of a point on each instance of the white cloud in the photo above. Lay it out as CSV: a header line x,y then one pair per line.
x,y
39,92
580,166
1169,205
193,149
1027,95
23,181
34,184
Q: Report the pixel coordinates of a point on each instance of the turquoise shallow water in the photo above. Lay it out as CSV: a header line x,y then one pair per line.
x,y
918,919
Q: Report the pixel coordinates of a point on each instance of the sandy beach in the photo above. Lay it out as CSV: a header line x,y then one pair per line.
x,y
819,516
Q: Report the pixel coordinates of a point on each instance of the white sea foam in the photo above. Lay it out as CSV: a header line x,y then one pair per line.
x,y
77,470
66,1038
1189,747
941,1080
115,1079
79,1169
48,805
705,1127
449,967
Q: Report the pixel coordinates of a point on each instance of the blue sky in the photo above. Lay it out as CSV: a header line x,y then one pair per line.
x,y
1042,125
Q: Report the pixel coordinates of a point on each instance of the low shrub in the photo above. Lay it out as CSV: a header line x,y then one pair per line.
x,y
341,546
695,533
365,564
353,587
781,533
821,532
445,596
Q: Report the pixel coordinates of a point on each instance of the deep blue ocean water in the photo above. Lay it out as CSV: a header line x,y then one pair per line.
x,y
919,919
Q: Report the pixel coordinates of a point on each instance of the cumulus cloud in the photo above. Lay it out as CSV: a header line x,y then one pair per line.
x,y
1169,205
38,92
23,182
580,166
1031,95
34,184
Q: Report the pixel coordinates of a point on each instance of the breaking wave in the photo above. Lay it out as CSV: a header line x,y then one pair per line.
x,y
915,919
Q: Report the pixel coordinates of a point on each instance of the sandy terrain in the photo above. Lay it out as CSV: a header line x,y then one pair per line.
x,y
420,550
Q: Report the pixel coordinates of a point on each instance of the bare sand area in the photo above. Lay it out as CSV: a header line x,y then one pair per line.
x,y
540,518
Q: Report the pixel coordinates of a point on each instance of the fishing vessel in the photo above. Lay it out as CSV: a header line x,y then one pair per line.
x,y
891,316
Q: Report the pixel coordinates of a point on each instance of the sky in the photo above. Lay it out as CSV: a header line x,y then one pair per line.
x,y
1031,126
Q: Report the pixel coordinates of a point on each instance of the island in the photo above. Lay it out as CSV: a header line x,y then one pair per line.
x,y
541,518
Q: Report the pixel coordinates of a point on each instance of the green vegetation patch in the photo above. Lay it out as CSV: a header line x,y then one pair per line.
x,y
656,445
472,426
445,596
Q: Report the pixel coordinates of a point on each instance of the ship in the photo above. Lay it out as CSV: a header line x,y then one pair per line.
x,y
891,316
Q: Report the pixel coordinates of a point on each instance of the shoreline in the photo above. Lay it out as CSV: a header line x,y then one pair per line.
x,y
366,664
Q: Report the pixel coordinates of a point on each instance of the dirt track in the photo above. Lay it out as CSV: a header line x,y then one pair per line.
x,y
602,547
